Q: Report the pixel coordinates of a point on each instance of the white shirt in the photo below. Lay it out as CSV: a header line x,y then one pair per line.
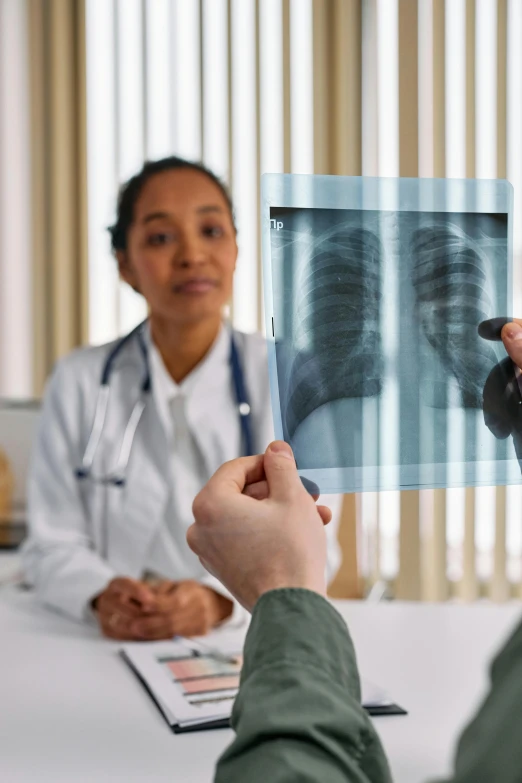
x,y
169,555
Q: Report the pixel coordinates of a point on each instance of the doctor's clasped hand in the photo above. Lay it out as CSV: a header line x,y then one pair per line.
x,y
136,611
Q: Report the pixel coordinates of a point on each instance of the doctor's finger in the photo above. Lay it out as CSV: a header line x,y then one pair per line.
x,y
111,605
133,591
115,625
165,587
153,627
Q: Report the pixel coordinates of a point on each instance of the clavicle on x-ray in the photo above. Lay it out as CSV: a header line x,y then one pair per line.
x,y
374,293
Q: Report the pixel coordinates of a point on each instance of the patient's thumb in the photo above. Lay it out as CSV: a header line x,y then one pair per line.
x,y
281,471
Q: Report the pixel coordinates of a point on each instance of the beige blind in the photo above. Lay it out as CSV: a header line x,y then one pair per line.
x,y
376,87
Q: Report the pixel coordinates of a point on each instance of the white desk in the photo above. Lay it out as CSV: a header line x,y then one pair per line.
x,y
10,567
71,711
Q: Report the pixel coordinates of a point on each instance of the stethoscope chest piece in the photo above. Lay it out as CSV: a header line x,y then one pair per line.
x,y
244,409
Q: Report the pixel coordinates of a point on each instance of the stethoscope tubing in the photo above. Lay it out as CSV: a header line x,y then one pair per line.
x,y
117,476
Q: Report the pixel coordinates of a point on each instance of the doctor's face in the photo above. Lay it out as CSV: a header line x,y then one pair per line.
x,y
181,247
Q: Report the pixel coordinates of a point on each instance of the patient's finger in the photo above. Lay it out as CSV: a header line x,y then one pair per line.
x,y
325,514
235,475
259,490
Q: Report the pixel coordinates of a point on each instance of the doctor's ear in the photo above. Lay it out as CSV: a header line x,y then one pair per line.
x,y
126,270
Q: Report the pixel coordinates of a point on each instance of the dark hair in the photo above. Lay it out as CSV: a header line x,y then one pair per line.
x,y
130,191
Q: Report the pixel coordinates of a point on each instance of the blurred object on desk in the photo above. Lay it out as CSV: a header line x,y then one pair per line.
x,y
18,422
6,486
13,527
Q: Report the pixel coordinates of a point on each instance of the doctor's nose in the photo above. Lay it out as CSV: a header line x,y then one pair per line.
x,y
190,252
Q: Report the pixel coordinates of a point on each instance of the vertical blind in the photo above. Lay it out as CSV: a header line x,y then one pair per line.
x,y
42,187
374,87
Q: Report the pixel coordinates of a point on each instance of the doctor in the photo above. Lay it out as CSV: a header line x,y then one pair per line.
x,y
131,431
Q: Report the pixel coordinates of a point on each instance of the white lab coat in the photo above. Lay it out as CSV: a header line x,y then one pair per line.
x,y
81,534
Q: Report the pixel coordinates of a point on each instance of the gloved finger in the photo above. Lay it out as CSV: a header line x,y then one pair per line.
x,y
311,487
491,329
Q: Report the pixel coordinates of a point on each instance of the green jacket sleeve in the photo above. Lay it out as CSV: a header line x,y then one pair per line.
x,y
298,715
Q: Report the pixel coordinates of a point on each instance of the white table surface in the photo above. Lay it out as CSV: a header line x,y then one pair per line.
x,y
71,711
10,567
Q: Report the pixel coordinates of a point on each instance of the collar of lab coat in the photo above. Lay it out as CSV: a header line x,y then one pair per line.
x,y
204,388
205,379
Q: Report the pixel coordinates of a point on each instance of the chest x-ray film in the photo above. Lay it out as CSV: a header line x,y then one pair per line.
x,y
374,292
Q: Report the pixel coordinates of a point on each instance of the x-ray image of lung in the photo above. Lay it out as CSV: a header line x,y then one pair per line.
x,y
337,323
380,367
454,290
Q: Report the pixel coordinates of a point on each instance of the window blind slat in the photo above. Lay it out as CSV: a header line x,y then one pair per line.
x,y
215,127
187,63
244,164
158,115
101,170
130,127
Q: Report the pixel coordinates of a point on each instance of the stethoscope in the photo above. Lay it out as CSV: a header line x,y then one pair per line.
x,y
117,476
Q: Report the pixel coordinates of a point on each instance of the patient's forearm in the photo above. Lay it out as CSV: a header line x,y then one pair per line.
x,y
298,715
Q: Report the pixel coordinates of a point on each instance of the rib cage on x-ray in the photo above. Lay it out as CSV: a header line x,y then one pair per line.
x,y
337,326
451,282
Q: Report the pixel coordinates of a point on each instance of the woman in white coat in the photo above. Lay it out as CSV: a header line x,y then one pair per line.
x,y
115,549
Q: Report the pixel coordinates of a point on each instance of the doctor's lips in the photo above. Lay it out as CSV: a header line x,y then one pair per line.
x,y
196,285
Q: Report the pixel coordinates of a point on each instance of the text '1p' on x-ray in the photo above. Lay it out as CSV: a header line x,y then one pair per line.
x,y
377,367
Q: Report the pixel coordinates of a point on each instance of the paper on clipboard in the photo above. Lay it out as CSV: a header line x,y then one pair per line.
x,y
190,687
195,690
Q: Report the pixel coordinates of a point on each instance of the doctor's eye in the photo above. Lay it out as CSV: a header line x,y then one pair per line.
x,y
160,238
213,232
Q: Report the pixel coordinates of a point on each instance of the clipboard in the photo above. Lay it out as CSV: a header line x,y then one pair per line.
x,y
146,664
